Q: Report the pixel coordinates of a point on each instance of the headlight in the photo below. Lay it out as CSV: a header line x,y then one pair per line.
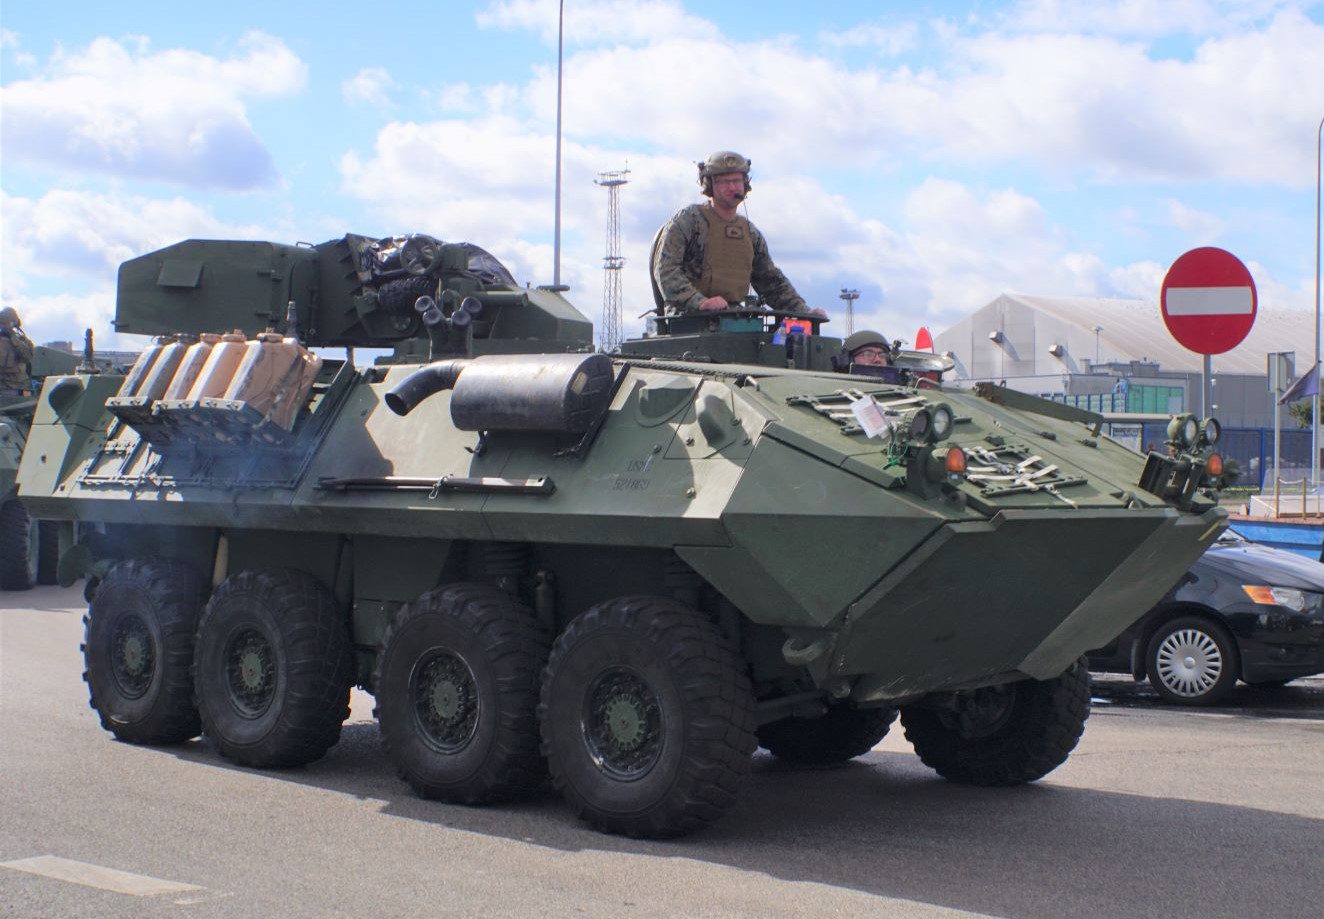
x,y
1183,430
919,424
1289,597
943,420
1211,431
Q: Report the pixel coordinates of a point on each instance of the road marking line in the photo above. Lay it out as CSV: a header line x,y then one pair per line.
x,y
66,869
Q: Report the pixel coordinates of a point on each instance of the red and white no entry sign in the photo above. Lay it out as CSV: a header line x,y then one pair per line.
x,y
1208,300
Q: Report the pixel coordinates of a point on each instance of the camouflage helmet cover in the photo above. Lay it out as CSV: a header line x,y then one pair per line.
x,y
10,315
720,163
864,337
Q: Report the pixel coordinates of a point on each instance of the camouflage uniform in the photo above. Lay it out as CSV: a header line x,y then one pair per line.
x,y
678,265
15,355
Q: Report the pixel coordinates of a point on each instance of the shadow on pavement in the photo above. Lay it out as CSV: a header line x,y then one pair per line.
x,y
886,825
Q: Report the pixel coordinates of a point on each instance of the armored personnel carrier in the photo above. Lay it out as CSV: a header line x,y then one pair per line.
x,y
29,547
626,570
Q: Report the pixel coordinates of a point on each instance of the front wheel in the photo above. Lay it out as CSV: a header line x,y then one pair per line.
x,y
1003,735
647,718
1192,661
273,668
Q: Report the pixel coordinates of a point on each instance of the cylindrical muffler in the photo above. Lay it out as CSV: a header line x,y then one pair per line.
x,y
557,393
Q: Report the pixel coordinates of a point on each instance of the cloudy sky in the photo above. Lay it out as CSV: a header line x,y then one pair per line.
x,y
930,154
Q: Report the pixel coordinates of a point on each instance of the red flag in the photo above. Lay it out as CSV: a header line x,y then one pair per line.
x,y
923,340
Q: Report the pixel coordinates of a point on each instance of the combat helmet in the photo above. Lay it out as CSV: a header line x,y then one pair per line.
x,y
10,315
722,161
864,337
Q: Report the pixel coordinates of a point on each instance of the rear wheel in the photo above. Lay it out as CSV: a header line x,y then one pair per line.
x,y
840,735
18,547
273,668
1192,661
457,691
647,718
1003,735
138,650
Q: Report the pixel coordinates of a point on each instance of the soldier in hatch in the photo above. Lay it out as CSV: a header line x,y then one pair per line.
x,y
707,255
15,355
867,349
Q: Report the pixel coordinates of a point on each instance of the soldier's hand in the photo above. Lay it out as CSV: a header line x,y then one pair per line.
x,y
713,303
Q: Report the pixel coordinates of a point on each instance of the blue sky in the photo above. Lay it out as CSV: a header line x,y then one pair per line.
x,y
932,155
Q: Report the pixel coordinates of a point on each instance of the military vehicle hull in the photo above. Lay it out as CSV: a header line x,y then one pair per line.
x,y
29,548
629,571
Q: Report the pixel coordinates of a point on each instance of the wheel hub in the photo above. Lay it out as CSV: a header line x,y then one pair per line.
x,y
250,673
445,702
623,724
133,656
1189,662
983,712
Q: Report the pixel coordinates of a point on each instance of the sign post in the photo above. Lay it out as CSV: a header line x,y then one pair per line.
x,y
1209,304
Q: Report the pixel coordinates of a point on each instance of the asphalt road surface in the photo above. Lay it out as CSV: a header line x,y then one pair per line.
x,y
1159,812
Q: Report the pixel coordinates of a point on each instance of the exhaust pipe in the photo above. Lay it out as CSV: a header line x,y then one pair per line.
x,y
404,397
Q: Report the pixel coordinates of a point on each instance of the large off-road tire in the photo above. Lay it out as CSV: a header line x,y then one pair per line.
x,y
647,718
138,650
457,694
1004,735
1192,661
273,668
840,735
18,547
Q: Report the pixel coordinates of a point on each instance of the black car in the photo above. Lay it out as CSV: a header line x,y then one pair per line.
x,y
1243,611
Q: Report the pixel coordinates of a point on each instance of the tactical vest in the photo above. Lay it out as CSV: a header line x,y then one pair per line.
x,y
728,258
13,369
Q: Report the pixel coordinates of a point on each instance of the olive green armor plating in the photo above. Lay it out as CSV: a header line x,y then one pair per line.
x,y
629,569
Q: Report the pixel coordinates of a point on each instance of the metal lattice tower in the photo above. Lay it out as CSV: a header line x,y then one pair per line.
x,y
850,296
609,336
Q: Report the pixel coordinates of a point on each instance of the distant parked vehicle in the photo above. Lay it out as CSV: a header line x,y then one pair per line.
x,y
1243,611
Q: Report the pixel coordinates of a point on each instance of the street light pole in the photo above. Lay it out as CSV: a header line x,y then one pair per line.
x,y
556,241
1314,401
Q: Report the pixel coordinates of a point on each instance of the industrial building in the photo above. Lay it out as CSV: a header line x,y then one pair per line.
x,y
1117,357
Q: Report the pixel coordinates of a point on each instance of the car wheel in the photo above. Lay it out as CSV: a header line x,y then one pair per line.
x,y
1192,661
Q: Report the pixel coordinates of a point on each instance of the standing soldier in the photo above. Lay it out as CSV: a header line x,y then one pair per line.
x,y
15,355
707,255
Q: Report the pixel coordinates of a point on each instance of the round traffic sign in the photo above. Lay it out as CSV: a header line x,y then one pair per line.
x,y
1208,300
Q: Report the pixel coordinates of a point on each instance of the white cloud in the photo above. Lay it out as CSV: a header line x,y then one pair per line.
x,y
1143,17
591,21
176,116
1200,227
886,40
370,86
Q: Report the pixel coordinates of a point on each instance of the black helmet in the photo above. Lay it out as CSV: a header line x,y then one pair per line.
x,y
720,163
